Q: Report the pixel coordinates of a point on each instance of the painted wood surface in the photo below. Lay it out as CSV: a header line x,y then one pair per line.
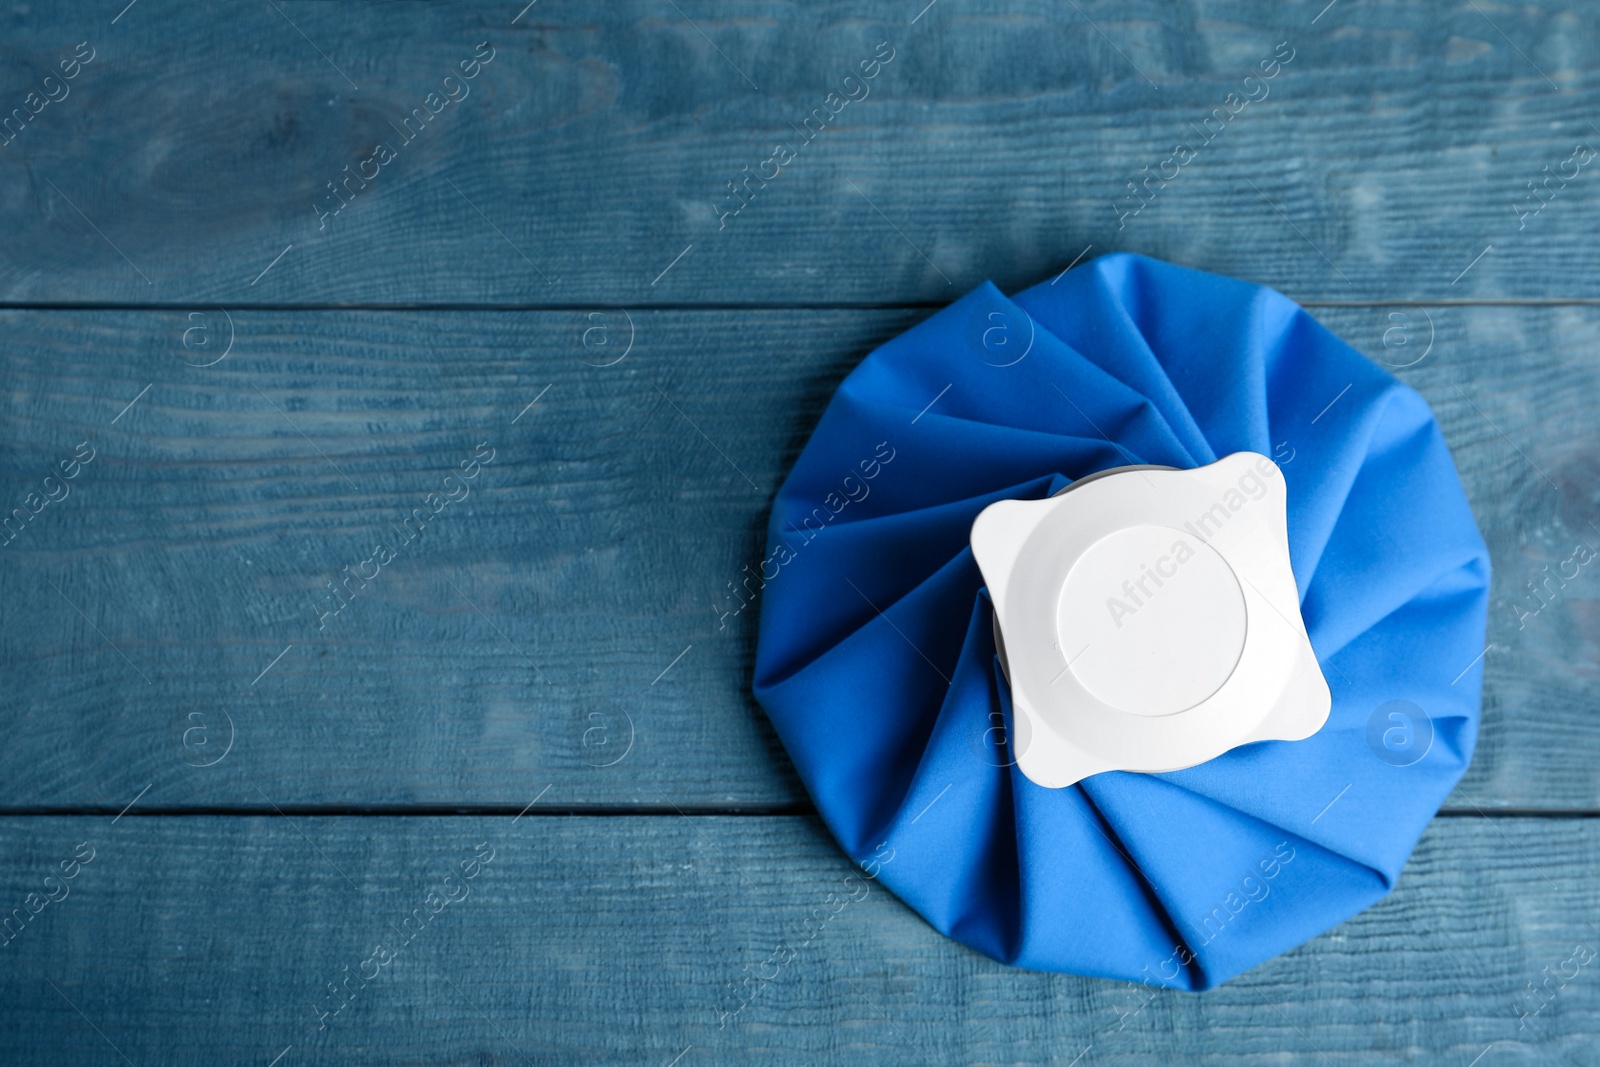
x,y
1392,146
254,360
178,597
636,940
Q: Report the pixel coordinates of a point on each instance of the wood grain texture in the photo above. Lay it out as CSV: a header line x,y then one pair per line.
x,y
205,940
1396,146
569,604
558,600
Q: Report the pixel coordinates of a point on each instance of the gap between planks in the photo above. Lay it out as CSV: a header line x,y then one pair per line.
x,y
402,811
612,305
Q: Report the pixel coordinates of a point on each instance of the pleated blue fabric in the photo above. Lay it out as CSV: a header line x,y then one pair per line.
x,y
876,659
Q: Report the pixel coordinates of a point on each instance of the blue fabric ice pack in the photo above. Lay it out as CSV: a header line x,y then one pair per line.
x,y
877,665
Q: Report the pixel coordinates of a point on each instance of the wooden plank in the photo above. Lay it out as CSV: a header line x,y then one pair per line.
x,y
626,940
193,159
571,601
538,630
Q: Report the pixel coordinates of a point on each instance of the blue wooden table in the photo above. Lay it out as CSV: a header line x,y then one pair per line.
x,y
528,290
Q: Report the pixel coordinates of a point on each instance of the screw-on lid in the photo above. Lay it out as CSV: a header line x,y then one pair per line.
x,y
1149,619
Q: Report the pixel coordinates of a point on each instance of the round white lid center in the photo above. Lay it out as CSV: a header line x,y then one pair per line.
x,y
1151,620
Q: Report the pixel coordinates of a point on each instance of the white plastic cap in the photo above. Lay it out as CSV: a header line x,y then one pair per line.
x,y
1148,619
